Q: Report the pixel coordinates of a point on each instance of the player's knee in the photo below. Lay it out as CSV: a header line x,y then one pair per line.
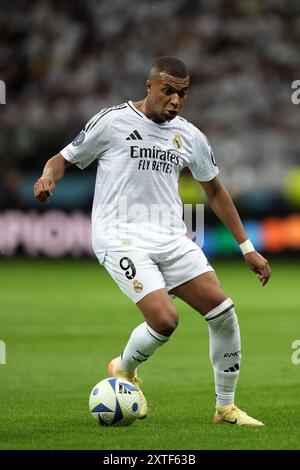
x,y
212,302
166,326
167,321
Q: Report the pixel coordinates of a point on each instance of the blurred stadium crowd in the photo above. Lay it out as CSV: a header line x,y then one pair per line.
x,y
63,61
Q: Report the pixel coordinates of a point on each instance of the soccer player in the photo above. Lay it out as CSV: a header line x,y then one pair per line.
x,y
137,228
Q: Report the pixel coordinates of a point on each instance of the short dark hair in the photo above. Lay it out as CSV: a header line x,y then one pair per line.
x,y
171,66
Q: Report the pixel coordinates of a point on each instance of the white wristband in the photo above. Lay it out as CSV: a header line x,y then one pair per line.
x,y
246,247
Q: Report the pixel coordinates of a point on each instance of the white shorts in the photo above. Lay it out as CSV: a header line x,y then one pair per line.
x,y
138,272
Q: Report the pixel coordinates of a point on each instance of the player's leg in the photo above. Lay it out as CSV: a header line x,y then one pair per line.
x,y
139,277
204,293
161,319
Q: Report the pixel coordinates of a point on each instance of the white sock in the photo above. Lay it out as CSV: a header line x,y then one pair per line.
x,y
225,350
141,345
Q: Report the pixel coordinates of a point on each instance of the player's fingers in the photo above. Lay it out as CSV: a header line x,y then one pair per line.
x,y
267,272
268,269
38,189
44,187
261,268
265,269
48,186
263,277
42,190
41,195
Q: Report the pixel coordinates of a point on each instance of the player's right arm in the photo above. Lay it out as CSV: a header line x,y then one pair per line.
x,y
90,144
53,171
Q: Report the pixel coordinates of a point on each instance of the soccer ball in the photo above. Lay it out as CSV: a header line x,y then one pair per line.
x,y
114,402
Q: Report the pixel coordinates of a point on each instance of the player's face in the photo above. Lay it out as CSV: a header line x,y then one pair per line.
x,y
166,96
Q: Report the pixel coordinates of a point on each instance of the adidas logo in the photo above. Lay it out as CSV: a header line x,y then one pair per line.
x,y
235,368
124,390
134,136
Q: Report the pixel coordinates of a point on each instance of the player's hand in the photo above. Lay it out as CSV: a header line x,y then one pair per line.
x,y
259,265
43,189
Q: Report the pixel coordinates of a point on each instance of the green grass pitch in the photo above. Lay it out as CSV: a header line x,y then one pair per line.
x,y
62,321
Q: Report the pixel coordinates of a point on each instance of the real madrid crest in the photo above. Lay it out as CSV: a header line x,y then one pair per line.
x,y
137,285
177,141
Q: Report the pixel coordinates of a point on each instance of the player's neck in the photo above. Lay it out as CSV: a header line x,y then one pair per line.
x,y
143,107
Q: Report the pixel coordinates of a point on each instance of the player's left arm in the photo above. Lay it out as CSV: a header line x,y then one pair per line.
x,y
221,203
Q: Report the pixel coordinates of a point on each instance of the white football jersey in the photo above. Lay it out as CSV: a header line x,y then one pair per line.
x,y
136,200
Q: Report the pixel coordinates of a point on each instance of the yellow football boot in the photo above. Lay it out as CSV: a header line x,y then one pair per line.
x,y
233,415
114,370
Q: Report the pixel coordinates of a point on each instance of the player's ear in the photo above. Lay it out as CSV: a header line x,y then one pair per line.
x,y
148,85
